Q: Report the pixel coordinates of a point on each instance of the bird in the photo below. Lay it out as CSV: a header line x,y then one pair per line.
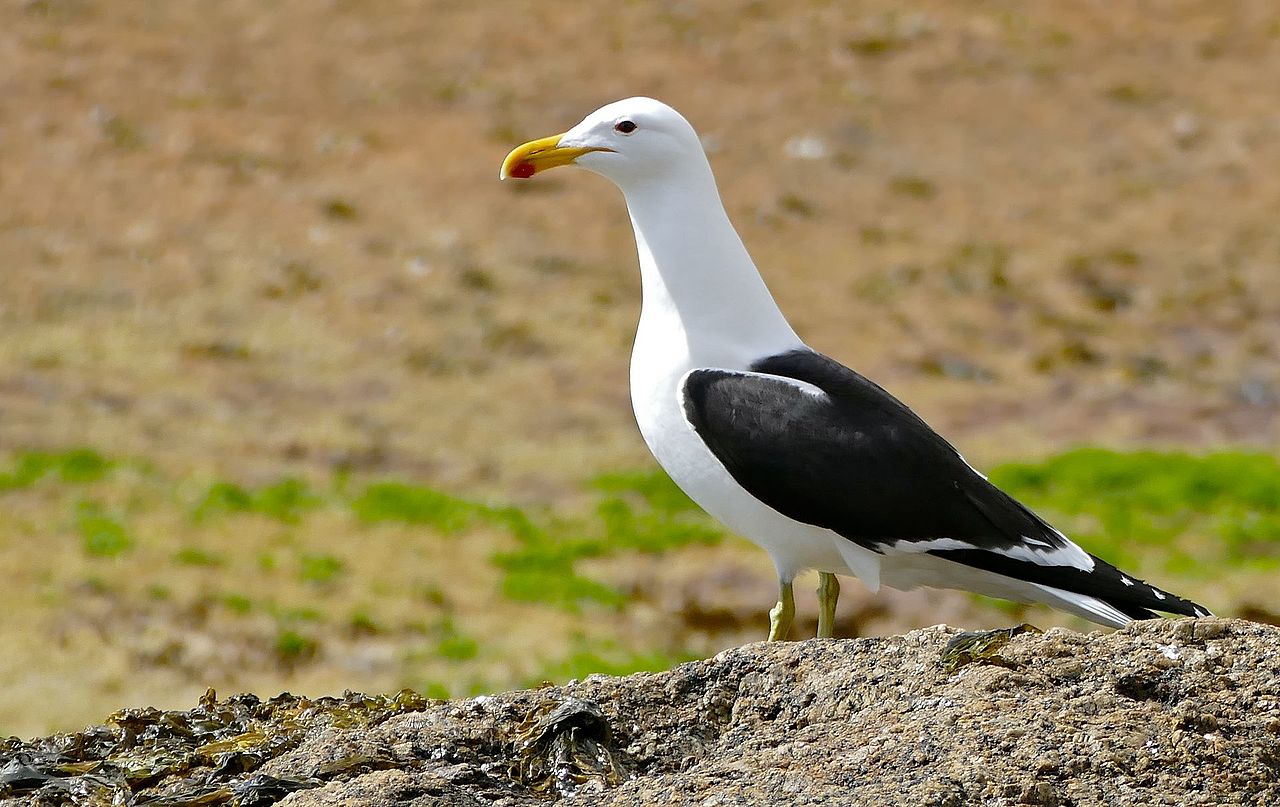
x,y
819,466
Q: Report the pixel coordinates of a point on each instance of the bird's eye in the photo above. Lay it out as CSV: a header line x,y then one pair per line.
x,y
625,126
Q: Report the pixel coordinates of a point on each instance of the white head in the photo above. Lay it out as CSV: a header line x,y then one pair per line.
x,y
630,142
693,264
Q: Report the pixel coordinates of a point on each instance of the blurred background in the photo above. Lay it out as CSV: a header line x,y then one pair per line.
x,y
294,394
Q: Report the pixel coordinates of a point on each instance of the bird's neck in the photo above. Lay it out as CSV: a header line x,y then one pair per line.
x,y
698,281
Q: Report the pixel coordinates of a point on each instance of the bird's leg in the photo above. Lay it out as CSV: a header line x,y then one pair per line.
x,y
782,614
828,593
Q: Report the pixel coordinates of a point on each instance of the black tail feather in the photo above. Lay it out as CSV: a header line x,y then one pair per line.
x,y
1130,596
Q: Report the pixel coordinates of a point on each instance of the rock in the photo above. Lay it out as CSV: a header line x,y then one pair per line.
x,y
1159,713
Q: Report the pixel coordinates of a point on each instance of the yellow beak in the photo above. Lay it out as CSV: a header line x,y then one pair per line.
x,y
539,155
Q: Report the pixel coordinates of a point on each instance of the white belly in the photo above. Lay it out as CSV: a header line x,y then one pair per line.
x,y
656,381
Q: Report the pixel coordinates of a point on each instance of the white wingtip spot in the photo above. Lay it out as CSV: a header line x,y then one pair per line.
x,y
1156,592
1126,580
1200,612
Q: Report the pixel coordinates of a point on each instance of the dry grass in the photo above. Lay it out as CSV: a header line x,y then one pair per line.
x,y
251,241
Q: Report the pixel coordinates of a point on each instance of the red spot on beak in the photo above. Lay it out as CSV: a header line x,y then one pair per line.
x,y
523,170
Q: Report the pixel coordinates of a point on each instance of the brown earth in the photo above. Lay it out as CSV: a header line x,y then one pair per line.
x,y
246,240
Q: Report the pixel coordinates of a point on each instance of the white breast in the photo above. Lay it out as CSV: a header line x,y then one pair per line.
x,y
658,366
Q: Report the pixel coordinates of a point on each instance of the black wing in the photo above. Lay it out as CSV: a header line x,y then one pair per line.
x,y
857,461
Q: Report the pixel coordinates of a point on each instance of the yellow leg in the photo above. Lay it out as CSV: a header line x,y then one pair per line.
x,y
828,594
782,614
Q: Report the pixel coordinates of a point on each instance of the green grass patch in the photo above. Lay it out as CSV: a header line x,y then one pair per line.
x,y
642,511
267,562
287,500
320,569
101,535
292,647
296,614
237,603
542,568
436,690
565,589
80,466
454,645
623,527
413,504
76,466
635,512
195,556
654,487
646,512
362,623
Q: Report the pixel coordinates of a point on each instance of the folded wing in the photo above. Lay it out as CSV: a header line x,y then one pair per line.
x,y
823,445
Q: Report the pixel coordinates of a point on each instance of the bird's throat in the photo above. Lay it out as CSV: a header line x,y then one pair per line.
x,y
697,276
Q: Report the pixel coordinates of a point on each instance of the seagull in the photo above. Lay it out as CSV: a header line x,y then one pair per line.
x,y
819,466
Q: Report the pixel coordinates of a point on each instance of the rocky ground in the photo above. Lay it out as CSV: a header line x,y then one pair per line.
x,y
1162,713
